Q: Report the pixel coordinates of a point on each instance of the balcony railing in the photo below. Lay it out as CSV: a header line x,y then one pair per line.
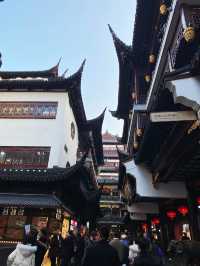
x,y
181,51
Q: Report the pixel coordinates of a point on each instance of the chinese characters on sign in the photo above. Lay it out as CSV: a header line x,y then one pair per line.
x,y
28,110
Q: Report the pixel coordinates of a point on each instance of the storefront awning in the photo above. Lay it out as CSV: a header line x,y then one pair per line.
x,y
29,200
186,91
145,188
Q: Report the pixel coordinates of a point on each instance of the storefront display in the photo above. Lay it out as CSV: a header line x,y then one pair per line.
x,y
40,222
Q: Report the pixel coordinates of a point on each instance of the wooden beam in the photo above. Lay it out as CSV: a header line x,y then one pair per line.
x,y
183,153
174,138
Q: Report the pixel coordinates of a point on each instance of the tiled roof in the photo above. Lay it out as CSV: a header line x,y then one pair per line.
x,y
28,200
108,137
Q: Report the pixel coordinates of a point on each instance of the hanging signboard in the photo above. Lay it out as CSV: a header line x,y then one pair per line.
x,y
173,116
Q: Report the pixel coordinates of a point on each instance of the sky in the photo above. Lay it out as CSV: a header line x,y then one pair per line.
x,y
36,33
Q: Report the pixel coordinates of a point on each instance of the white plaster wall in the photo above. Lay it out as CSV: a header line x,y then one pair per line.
x,y
54,133
145,188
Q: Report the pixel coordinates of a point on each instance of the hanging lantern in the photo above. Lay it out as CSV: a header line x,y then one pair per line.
x,y
135,142
147,78
134,96
139,132
155,221
198,200
152,59
144,227
183,210
171,214
163,9
135,145
189,34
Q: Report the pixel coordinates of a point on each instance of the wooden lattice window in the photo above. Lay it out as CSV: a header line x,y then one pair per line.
x,y
176,44
28,110
24,157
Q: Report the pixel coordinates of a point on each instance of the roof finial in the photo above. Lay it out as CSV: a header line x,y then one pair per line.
x,y
112,32
82,65
54,69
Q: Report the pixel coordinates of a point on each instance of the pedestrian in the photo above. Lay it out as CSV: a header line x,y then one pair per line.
x,y
184,236
55,248
124,240
121,248
42,246
101,254
24,254
67,249
90,241
145,258
79,246
133,252
157,251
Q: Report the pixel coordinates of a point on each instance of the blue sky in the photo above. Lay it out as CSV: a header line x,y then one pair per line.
x,y
36,33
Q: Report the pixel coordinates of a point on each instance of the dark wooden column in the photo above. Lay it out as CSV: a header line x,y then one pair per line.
x,y
164,228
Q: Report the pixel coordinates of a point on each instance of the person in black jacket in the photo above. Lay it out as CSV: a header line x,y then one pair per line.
x,y
42,245
67,250
55,247
101,254
145,258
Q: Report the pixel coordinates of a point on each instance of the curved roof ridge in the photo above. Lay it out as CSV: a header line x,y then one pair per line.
x,y
48,73
97,119
119,44
54,174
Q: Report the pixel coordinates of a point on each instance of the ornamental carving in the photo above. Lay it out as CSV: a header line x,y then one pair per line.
x,y
28,110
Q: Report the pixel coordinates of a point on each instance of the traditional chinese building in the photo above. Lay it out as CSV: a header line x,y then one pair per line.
x,y
49,152
111,204
160,173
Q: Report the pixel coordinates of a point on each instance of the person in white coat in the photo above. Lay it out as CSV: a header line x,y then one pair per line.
x,y
134,251
24,254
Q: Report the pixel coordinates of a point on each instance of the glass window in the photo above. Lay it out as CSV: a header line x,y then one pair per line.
x,y
24,157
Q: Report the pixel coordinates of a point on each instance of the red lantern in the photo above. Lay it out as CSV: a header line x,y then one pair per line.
x,y
183,210
155,221
198,200
171,214
144,227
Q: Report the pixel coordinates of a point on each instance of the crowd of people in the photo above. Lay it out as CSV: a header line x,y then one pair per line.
x,y
81,248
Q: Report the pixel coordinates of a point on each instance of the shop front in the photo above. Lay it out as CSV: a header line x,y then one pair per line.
x,y
150,204
41,211
46,198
